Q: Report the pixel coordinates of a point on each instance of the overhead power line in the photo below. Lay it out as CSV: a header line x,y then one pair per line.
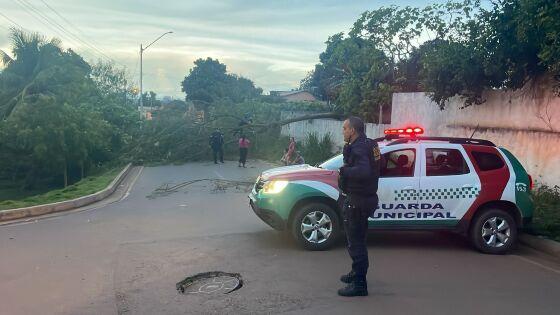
x,y
77,29
10,20
61,30
39,17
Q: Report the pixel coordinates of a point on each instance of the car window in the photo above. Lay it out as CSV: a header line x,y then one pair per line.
x,y
487,161
332,164
445,162
398,163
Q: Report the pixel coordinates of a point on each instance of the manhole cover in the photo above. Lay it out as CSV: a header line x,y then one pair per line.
x,y
214,282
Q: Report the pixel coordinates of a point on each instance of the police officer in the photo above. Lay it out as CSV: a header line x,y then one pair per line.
x,y
216,143
358,180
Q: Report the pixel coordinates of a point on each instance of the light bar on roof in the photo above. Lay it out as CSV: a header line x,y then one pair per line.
x,y
410,131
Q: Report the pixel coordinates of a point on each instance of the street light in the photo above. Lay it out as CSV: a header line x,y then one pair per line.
x,y
141,51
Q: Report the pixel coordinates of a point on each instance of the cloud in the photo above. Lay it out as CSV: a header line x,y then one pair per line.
x,y
273,43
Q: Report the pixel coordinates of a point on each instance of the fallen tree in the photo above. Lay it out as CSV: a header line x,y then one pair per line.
x,y
178,137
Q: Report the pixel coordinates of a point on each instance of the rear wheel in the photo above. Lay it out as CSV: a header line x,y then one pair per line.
x,y
316,226
494,231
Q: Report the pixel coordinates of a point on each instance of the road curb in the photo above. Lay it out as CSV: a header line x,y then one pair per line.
x,y
542,244
20,213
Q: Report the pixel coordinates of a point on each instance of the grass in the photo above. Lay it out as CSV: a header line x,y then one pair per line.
x,y
88,185
546,218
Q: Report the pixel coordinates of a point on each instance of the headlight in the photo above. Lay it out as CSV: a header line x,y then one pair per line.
x,y
274,186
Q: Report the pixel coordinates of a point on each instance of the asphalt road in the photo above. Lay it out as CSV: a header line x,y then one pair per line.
x,y
124,256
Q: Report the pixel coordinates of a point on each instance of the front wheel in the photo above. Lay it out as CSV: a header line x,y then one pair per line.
x,y
316,226
494,231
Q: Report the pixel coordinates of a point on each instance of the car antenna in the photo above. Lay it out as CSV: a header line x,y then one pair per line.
x,y
475,129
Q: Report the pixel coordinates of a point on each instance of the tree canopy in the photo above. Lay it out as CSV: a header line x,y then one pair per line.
x,y
59,116
208,82
448,49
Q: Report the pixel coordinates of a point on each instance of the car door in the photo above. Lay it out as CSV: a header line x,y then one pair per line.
x,y
448,183
398,185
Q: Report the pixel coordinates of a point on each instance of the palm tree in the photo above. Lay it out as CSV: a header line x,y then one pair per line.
x,y
32,54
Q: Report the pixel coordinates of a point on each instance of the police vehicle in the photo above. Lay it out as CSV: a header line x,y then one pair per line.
x,y
461,184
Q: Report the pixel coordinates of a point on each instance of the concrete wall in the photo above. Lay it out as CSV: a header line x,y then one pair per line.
x,y
525,122
301,129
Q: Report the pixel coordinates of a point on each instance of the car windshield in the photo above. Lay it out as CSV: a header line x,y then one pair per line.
x,y
333,163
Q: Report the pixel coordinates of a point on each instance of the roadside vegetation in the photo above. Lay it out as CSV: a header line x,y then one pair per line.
x,y
84,187
546,219
316,150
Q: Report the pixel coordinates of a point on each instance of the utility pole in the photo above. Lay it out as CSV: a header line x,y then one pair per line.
x,y
141,98
141,87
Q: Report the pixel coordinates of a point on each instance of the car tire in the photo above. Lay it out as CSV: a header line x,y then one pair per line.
x,y
315,218
493,231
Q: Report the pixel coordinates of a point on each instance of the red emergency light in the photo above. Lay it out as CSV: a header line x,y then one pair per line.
x,y
408,131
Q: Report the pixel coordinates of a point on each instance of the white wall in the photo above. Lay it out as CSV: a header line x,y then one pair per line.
x,y
301,129
524,122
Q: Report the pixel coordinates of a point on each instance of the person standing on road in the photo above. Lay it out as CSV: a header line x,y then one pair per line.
x,y
358,181
217,143
244,144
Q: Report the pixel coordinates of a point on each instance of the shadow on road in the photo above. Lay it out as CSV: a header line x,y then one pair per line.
x,y
440,240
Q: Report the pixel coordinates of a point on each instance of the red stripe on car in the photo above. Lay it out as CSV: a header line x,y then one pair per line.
x,y
492,182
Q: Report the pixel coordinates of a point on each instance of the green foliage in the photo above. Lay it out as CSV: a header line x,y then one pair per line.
x,y
208,82
315,150
451,68
470,48
175,136
85,187
355,75
270,146
61,117
546,219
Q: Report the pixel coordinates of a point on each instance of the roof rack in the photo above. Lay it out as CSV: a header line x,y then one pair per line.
x,y
447,139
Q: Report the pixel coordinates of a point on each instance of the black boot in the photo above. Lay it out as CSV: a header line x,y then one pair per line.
x,y
356,288
348,278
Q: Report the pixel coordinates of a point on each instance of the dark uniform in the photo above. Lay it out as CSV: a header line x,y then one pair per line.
x,y
217,142
359,177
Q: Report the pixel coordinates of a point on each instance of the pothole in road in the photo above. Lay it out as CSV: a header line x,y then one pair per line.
x,y
213,282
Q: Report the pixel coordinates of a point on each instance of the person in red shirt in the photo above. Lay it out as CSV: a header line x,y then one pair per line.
x,y
244,144
291,150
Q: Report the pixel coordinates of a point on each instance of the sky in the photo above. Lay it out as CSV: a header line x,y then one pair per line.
x,y
275,43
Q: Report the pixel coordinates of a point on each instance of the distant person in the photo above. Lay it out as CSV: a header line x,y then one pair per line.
x,y
298,159
291,149
244,144
217,143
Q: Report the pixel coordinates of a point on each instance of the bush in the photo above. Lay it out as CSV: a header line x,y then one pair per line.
x,y
269,146
315,151
546,219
